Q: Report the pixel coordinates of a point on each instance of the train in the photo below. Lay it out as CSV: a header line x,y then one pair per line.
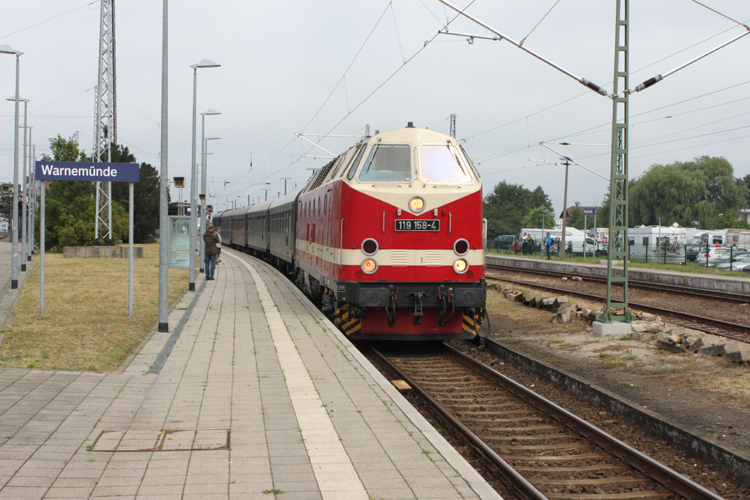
x,y
387,239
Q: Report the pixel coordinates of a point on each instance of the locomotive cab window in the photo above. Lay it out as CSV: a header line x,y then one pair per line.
x,y
387,163
443,164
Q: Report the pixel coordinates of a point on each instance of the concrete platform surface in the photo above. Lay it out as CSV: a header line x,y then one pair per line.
x,y
260,397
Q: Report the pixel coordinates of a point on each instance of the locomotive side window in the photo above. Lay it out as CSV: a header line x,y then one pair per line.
x,y
441,163
387,163
355,163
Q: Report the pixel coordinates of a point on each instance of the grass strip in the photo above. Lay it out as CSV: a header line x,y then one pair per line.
x,y
86,324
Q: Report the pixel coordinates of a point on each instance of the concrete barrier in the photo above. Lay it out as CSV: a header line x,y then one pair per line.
x,y
104,251
693,280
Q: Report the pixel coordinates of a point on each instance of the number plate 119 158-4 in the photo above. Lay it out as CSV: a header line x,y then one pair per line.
x,y
417,225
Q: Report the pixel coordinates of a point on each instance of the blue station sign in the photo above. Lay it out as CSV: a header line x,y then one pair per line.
x,y
589,211
91,172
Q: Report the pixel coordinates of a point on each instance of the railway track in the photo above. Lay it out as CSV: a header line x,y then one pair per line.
x,y
540,449
643,285
734,331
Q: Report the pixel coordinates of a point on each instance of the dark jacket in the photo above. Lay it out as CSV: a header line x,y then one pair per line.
x,y
210,238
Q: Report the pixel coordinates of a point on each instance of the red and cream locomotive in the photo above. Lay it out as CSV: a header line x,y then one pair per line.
x,y
387,238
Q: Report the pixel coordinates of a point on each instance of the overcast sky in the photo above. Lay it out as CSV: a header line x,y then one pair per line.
x,y
334,67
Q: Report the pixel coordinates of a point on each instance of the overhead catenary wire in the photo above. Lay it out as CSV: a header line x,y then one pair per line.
x,y
349,112
50,19
586,83
722,15
586,93
654,80
540,22
607,124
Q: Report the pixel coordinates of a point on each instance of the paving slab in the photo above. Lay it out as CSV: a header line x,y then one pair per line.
x,y
252,394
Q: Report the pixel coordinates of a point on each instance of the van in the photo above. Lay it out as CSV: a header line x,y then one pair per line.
x,y
504,241
576,241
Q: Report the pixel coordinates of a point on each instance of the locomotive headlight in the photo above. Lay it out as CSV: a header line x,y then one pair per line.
x,y
370,246
461,247
416,204
369,266
460,266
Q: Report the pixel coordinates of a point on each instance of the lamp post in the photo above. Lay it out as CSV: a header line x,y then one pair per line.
x,y
24,229
204,189
163,176
204,217
285,179
6,49
29,231
32,164
205,63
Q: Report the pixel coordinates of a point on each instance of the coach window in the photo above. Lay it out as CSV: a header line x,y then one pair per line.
x,y
442,163
387,163
355,163
325,204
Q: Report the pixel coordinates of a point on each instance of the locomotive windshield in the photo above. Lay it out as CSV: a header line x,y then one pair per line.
x,y
441,163
387,163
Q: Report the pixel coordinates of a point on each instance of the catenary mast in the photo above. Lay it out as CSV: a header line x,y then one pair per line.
x,y
105,124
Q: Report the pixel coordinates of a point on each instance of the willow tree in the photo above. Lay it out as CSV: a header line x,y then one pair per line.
x,y
702,190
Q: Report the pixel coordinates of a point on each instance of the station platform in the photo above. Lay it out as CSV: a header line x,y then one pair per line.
x,y
733,284
253,395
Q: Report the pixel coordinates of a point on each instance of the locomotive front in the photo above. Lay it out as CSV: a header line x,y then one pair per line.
x,y
403,231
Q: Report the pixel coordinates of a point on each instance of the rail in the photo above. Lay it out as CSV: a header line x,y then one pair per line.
x,y
655,470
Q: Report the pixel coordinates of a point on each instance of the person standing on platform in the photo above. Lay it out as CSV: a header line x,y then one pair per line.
x,y
218,245
525,244
548,244
211,239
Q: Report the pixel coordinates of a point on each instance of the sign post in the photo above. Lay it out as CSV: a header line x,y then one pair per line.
x,y
88,172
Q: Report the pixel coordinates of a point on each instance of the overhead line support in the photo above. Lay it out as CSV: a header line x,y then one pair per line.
x,y
587,83
618,242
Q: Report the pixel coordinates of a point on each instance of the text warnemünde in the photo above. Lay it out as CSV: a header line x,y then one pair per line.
x,y
80,171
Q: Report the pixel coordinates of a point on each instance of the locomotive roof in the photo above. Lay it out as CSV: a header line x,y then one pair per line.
x,y
411,135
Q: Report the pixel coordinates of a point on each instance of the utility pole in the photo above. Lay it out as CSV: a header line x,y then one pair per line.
x,y
287,179
618,243
566,162
105,124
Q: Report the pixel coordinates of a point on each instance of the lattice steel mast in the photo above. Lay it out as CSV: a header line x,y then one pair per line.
x,y
618,182
105,125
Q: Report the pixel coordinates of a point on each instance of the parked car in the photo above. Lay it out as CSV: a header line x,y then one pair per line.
x,y
716,253
505,241
736,264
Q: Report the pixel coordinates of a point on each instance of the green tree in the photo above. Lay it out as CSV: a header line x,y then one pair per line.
x,y
683,192
145,196
576,216
509,204
537,218
71,205
746,182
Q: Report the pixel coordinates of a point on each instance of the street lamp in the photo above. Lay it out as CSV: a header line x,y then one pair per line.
x,y
205,63
6,49
202,245
285,179
24,229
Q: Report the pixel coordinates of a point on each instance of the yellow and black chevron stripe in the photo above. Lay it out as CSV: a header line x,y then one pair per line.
x,y
346,321
473,322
